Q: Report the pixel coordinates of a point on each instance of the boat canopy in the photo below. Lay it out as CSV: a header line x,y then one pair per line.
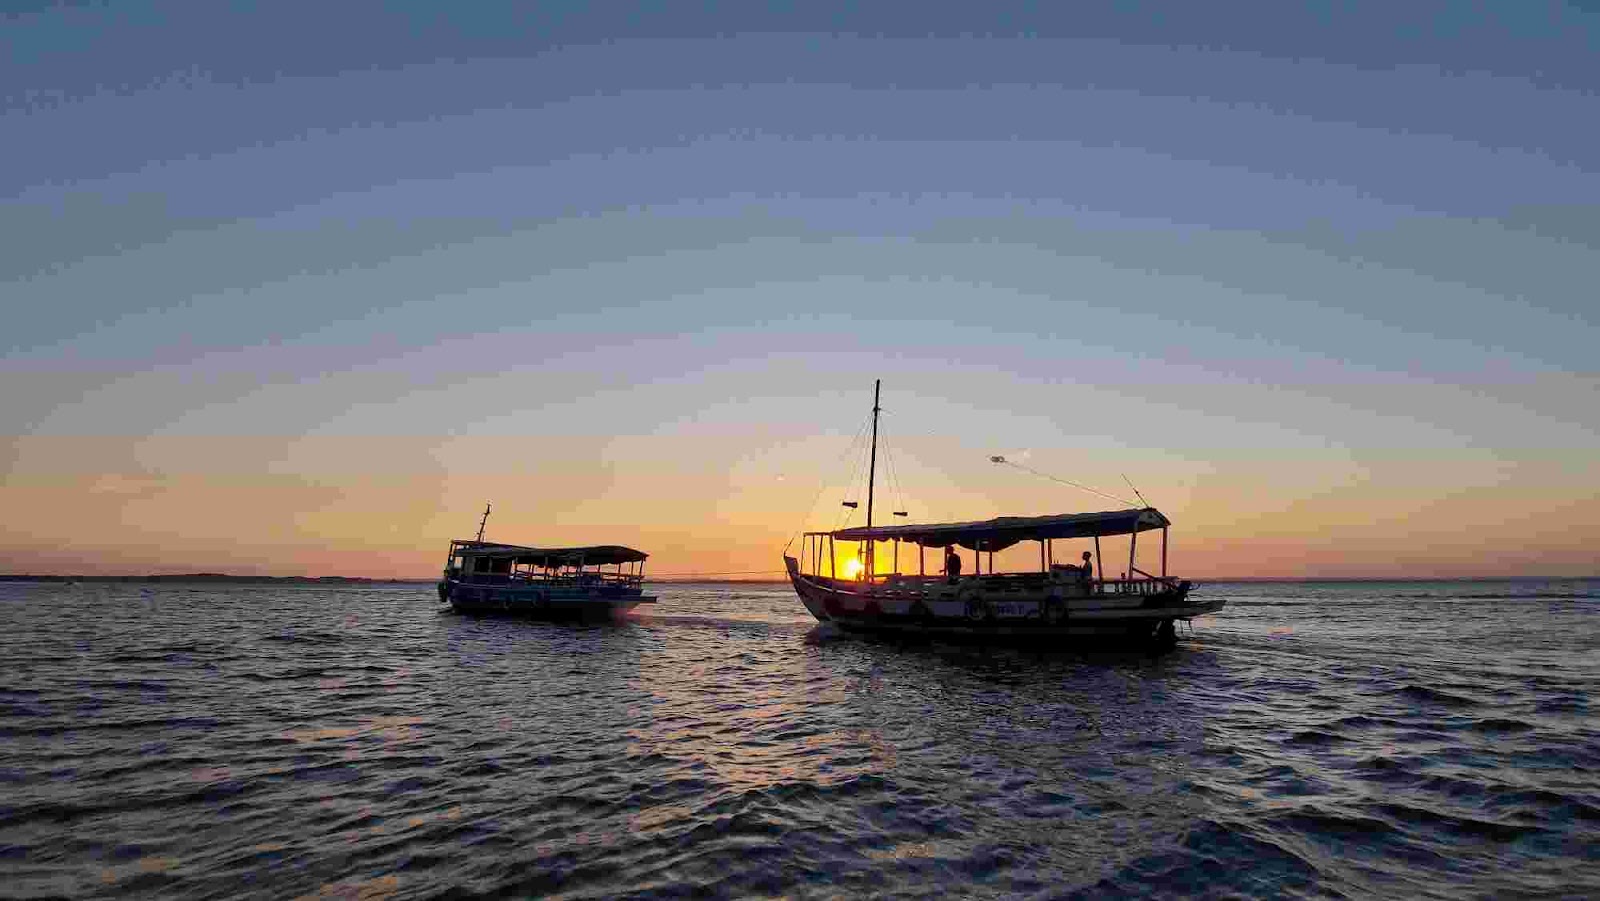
x,y
1002,532
604,554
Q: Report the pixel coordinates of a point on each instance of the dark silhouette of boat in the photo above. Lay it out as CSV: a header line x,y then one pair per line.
x,y
585,583
1058,603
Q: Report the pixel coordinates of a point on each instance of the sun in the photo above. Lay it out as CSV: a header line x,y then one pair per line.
x,y
852,568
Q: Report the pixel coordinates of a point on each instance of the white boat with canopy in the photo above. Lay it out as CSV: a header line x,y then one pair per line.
x,y
596,582
1057,601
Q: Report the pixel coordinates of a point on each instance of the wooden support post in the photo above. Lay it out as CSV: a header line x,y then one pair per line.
x,y
1133,544
1099,561
922,560
833,554
1163,552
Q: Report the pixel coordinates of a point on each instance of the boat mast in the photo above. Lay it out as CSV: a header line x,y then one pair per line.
x,y
483,522
872,472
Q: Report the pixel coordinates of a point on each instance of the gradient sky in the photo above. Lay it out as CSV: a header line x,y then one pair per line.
x,y
295,288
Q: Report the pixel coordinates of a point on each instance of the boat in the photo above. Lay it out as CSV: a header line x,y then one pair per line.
x,y
585,583
1059,603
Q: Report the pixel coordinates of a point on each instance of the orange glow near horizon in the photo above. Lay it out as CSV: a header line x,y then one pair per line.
x,y
713,506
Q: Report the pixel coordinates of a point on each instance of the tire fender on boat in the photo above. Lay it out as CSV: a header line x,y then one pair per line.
x,y
975,606
1055,607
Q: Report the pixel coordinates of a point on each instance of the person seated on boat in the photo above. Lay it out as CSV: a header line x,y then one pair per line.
x,y
952,563
1086,574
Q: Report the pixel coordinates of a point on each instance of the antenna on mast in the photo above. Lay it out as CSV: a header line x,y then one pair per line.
x,y
1004,462
483,522
1135,490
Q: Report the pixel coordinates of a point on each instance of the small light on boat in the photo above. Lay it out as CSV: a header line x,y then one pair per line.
x,y
851,504
852,568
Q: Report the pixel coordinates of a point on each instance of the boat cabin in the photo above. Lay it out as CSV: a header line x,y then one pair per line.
x,y
820,556
490,563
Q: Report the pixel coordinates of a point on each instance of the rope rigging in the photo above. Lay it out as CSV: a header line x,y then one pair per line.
x,y
896,488
842,516
730,572
823,485
891,470
944,512
1004,462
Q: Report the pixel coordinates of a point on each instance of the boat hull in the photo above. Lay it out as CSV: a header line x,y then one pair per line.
x,y
541,602
967,610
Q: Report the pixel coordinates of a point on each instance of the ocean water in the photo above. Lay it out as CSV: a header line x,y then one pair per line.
x,y
1358,740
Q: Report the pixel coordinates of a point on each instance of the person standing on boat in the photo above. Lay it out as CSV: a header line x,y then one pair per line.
x,y
1086,574
952,563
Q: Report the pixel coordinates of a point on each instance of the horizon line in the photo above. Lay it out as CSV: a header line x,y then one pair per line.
x,y
399,580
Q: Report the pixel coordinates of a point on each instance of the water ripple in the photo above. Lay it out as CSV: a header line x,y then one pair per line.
x,y
1334,740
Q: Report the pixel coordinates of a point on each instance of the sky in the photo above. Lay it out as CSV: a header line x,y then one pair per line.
x,y
295,288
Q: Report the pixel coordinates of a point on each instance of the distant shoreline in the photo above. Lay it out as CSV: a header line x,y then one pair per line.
x,y
224,578
218,577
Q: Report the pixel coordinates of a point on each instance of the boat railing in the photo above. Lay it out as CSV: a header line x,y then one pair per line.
x,y
541,578
1151,585
912,585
